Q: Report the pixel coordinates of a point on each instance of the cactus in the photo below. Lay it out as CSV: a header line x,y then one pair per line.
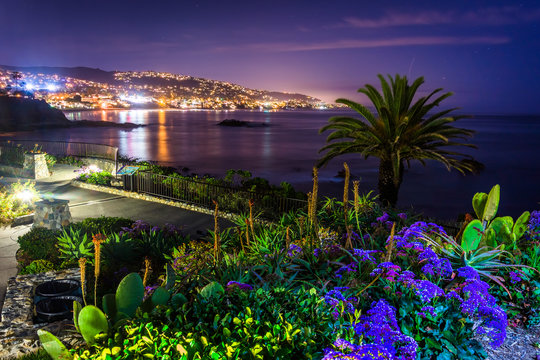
x,y
92,321
160,296
108,302
53,346
130,294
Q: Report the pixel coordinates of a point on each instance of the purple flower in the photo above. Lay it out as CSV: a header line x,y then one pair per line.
x,y
232,285
515,277
335,297
383,218
406,277
294,250
434,265
402,216
427,290
479,304
468,273
428,310
365,255
387,270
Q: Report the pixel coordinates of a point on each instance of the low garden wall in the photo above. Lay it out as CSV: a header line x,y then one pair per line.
x,y
18,333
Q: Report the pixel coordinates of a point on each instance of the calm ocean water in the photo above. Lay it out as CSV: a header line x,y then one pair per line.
x,y
287,148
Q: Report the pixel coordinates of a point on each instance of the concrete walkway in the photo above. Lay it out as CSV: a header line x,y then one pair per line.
x,y
85,203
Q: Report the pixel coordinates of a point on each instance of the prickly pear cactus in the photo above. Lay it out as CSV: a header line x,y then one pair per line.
x,y
129,294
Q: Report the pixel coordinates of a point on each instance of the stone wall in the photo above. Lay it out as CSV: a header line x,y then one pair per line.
x,y
52,214
18,333
34,167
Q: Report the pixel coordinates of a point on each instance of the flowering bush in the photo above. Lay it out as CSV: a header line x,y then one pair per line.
x,y
94,175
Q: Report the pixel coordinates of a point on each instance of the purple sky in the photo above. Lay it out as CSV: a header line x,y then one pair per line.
x,y
486,52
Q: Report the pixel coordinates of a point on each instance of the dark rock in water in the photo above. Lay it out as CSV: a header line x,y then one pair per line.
x,y
23,114
240,123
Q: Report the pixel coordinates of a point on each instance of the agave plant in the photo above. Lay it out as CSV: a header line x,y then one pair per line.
x,y
75,244
486,260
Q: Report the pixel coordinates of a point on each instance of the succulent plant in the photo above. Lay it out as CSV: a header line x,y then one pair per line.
x,y
92,321
53,346
129,294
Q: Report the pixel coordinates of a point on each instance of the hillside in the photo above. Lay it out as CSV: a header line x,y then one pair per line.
x,y
166,83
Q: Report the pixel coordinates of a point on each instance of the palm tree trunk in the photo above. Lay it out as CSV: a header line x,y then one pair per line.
x,y
388,185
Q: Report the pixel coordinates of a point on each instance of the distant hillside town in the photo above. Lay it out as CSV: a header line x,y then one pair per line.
x,y
83,88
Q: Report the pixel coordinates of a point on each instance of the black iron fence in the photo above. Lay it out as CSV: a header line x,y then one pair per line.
x,y
64,148
202,193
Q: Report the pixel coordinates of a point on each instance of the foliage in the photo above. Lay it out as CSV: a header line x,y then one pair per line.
x,y
97,178
104,224
38,244
38,266
491,231
74,244
16,200
400,131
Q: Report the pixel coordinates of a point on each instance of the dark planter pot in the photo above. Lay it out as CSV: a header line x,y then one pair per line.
x,y
58,288
57,308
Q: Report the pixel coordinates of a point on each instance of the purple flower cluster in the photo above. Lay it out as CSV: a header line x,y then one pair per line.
x,y
383,220
365,255
515,277
468,273
533,227
294,250
335,297
232,285
434,265
387,270
427,310
384,340
406,237
479,304
427,290
381,327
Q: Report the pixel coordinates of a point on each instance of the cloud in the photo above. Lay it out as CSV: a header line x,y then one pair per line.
x,y
373,43
487,16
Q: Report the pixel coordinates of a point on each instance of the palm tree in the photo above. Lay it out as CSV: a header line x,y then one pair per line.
x,y
399,131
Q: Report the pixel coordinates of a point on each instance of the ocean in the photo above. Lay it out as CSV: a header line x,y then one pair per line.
x,y
287,148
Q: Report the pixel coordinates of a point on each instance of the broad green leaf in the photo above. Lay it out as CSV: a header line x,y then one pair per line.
x,y
492,204
472,235
92,321
479,203
53,346
520,227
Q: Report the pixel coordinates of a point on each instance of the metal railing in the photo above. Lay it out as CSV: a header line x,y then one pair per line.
x,y
65,148
10,155
201,193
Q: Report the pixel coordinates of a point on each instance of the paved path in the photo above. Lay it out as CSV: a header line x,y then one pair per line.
x,y
85,203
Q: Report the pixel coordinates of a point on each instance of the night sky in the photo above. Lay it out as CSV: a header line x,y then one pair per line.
x,y
486,52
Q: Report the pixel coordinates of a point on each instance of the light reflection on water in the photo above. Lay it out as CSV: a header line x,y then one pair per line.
x,y
287,149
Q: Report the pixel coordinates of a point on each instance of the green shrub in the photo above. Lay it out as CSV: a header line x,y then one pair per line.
x,y
104,224
38,244
97,178
38,266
